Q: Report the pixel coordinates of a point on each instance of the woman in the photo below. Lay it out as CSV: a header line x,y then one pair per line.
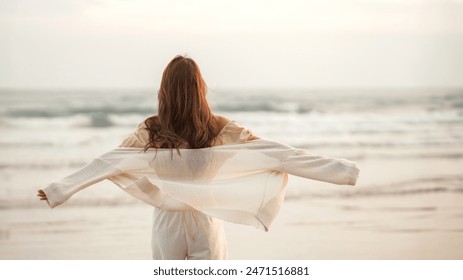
x,y
184,122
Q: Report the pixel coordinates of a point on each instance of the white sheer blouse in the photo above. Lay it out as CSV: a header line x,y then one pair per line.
x,y
236,180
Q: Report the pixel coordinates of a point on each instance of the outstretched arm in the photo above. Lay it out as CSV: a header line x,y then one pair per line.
x,y
60,191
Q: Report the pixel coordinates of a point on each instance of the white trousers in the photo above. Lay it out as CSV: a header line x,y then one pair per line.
x,y
179,235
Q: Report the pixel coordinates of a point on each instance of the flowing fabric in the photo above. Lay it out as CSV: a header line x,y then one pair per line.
x,y
241,183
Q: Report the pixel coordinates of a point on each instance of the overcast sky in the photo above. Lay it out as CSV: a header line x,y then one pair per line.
x,y
238,44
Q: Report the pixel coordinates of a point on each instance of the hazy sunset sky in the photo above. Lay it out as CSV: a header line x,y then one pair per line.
x,y
238,44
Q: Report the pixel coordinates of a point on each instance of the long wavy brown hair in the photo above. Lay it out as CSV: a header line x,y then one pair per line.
x,y
184,117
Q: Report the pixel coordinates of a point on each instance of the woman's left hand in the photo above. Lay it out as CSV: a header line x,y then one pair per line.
x,y
42,195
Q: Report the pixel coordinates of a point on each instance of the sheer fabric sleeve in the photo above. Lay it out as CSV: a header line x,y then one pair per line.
x,y
61,190
332,170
